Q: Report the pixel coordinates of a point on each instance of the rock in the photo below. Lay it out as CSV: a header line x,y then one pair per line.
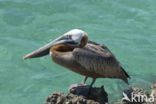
x,y
79,94
83,94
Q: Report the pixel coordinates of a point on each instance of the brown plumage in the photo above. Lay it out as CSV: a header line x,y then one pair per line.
x,y
93,60
86,58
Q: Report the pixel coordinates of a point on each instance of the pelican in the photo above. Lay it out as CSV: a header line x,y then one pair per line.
x,y
74,51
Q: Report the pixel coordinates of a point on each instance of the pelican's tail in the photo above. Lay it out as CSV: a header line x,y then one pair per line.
x,y
126,76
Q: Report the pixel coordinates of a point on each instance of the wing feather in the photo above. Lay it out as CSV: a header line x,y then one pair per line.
x,y
99,59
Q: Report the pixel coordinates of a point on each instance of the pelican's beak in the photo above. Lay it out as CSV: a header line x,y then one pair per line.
x,y
46,48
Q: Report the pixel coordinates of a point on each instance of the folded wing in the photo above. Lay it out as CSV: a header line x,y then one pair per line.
x,y
99,59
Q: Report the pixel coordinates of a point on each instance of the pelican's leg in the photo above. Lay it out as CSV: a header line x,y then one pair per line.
x,y
90,87
85,79
93,81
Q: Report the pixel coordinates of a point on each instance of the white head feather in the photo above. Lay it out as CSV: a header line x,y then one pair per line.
x,y
76,34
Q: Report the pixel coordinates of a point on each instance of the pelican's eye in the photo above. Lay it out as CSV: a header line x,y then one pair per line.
x,y
68,37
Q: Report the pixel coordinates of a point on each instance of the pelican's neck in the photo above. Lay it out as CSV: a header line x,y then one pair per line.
x,y
84,41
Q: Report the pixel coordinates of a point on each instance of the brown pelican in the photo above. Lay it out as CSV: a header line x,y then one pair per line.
x,y
74,51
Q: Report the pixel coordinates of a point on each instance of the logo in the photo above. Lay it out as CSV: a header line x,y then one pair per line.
x,y
137,98
125,97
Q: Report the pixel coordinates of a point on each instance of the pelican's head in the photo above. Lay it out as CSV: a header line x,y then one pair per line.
x,y
74,38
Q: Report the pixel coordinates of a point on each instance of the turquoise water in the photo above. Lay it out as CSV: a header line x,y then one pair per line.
x,y
127,27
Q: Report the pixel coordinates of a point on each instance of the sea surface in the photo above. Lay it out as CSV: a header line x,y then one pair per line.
x,y
127,27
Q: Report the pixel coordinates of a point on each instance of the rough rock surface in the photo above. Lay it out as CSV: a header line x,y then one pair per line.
x,y
82,94
79,94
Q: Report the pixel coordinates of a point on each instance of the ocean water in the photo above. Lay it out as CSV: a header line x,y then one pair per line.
x,y
127,27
